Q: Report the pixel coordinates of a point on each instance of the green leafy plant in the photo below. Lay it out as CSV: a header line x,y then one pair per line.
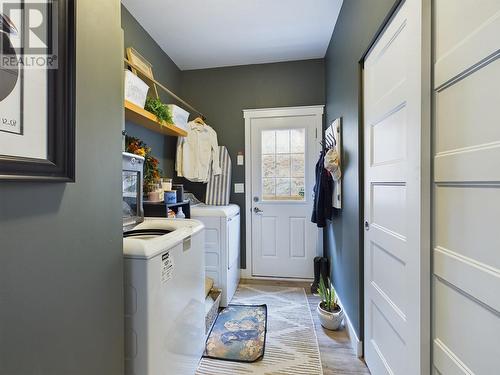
x,y
329,300
160,110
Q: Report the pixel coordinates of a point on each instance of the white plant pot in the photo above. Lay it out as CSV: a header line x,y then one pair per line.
x,y
330,320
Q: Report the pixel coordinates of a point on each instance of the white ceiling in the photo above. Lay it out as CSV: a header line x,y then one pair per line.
x,y
199,34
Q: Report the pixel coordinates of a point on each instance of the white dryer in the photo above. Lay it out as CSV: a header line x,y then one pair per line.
x,y
222,246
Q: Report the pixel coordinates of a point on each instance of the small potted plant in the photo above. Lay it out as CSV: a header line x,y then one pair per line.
x,y
329,311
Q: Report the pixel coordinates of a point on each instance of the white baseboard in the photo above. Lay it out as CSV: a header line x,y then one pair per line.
x,y
245,273
356,343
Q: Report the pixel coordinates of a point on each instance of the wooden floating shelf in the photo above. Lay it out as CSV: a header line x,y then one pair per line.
x,y
146,119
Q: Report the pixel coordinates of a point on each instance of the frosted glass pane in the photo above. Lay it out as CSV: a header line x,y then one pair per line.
x,y
268,141
282,141
283,165
297,187
297,141
268,166
282,187
268,188
297,165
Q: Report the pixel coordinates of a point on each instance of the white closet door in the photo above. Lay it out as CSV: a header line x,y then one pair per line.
x,y
466,305
397,189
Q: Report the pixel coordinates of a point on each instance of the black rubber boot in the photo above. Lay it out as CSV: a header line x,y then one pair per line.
x,y
317,269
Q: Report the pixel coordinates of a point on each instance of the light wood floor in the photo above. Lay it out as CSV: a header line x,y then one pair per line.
x,y
337,356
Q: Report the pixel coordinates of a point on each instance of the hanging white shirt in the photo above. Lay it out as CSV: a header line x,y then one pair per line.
x,y
197,152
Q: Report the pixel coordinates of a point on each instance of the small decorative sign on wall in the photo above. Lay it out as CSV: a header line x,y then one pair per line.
x,y
37,67
333,132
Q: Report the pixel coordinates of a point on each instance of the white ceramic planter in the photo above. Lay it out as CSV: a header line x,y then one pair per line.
x,y
330,320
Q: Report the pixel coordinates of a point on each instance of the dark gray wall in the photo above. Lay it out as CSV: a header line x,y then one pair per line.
x,y
166,72
357,24
222,94
61,283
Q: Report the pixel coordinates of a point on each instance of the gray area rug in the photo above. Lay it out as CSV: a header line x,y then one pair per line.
x,y
291,343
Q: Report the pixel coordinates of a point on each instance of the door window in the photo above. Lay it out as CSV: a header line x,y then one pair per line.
x,y
283,160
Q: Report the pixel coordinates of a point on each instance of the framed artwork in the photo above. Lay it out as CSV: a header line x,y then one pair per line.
x,y
37,90
140,62
141,66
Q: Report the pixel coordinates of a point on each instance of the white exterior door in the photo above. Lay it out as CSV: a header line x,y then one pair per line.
x,y
282,148
397,187
466,284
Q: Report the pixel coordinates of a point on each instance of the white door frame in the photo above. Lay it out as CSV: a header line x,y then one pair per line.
x,y
249,114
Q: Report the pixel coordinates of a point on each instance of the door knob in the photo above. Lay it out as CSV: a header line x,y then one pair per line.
x,y
257,210
367,225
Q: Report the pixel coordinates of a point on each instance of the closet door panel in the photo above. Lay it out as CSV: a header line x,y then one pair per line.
x,y
466,256
478,164
466,33
396,179
450,26
471,105
458,228
467,334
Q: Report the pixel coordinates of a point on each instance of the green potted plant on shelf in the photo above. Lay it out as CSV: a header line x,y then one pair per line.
x,y
160,110
330,313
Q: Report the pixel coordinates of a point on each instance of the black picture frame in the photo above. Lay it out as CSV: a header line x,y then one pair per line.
x,y
60,163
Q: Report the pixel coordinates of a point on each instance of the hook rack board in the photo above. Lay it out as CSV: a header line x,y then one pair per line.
x,y
335,130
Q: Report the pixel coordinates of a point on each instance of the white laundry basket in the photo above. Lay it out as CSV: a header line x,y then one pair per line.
x,y
179,115
136,90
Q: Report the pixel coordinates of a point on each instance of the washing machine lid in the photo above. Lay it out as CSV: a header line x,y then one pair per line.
x,y
220,211
169,233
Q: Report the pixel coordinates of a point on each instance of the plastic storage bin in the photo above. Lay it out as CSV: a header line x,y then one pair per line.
x,y
136,90
179,115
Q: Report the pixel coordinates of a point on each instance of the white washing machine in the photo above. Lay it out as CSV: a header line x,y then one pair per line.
x,y
222,246
164,286
164,297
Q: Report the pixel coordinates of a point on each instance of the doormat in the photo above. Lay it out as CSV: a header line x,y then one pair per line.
x,y
239,334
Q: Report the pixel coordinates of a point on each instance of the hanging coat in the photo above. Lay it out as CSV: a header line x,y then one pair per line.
x,y
323,191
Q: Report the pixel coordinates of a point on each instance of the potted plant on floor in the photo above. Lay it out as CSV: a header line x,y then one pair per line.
x,y
329,311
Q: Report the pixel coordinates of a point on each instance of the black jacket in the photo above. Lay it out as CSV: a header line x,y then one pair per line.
x,y
323,193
